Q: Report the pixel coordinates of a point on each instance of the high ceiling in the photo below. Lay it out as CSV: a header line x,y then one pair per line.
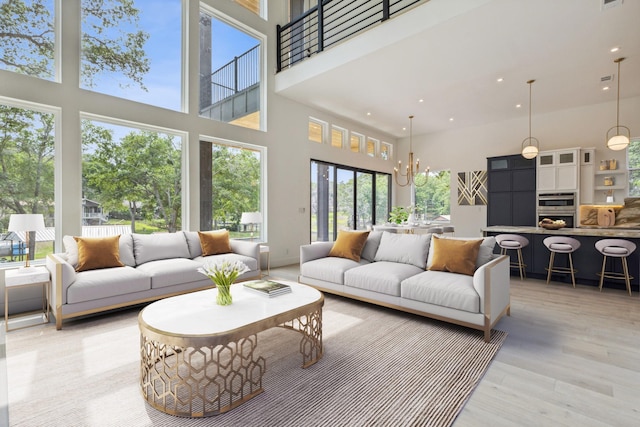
x,y
450,53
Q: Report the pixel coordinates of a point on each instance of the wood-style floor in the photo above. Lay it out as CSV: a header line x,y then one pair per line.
x,y
572,358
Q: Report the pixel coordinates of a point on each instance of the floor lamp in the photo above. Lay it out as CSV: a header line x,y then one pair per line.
x,y
251,218
26,223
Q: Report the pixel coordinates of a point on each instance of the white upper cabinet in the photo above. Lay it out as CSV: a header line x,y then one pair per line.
x,y
558,170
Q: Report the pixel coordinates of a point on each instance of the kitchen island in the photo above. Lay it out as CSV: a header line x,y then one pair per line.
x,y
587,260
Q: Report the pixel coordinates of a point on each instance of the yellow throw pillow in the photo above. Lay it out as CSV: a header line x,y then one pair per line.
x,y
214,242
98,252
455,256
349,244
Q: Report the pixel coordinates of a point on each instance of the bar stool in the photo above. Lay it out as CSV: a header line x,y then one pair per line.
x,y
517,242
562,245
616,248
448,229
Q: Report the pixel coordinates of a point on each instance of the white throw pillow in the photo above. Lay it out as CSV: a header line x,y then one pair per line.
x,y
404,248
71,249
152,247
485,253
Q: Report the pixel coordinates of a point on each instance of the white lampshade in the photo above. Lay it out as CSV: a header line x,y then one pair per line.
x,y
26,222
618,142
529,151
251,218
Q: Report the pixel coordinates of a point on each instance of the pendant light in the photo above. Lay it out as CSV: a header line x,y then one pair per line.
x,y
412,170
619,141
530,145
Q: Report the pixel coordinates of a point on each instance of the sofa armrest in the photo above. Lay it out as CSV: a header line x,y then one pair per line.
x,y
314,251
62,276
492,281
243,247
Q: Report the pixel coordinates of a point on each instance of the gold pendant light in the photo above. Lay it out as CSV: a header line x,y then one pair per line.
x,y
412,170
619,141
530,145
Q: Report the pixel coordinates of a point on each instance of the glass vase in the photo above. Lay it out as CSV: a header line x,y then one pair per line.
x,y
224,295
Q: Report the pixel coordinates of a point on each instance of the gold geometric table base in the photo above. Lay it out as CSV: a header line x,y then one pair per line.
x,y
209,380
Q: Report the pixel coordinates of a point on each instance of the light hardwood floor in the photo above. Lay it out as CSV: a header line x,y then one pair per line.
x,y
572,358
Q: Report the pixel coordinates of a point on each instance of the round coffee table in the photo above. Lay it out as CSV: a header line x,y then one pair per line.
x,y
199,359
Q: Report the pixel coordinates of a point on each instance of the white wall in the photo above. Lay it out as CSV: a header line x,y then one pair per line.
x,y
466,149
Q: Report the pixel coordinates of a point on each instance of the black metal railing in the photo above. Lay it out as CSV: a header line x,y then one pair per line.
x,y
239,74
330,22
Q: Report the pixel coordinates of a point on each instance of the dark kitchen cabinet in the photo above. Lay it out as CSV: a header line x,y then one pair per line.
x,y
511,191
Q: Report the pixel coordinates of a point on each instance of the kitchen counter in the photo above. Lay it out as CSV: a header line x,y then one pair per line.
x,y
623,233
587,260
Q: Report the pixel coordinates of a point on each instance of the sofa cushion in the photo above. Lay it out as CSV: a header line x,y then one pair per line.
x,y
485,252
450,290
174,271
349,244
193,242
404,248
330,269
371,246
97,284
152,247
125,247
98,252
214,242
382,276
455,256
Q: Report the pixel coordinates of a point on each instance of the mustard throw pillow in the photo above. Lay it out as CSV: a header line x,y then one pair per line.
x,y
98,252
455,256
214,242
349,244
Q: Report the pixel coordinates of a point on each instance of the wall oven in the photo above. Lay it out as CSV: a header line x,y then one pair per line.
x,y
558,206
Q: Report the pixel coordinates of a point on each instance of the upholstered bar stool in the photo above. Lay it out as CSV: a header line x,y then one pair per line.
x,y
513,242
435,230
448,229
562,245
616,248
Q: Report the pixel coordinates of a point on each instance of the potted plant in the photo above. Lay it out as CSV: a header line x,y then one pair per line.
x,y
398,215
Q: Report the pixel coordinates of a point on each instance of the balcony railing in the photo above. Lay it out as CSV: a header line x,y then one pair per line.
x,y
330,22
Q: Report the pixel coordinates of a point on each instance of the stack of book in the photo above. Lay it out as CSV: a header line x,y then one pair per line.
x,y
267,287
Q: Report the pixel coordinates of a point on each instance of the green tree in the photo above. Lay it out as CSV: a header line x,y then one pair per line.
x,y
142,171
634,167
235,184
26,164
434,199
111,41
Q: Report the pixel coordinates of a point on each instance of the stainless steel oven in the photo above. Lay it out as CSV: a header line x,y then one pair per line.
x,y
558,206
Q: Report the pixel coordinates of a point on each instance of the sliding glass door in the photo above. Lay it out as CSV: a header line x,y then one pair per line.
x,y
343,198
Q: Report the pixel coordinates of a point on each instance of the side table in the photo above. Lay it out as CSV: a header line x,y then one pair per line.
x,y
27,277
264,249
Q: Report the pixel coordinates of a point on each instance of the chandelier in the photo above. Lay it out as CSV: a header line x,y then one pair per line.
x,y
411,171
530,145
619,141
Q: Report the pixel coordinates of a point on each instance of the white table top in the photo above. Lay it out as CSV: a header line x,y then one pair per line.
x,y
26,276
197,314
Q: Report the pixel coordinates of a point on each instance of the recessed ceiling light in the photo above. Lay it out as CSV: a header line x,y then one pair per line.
x,y
368,113
614,49
450,119
518,105
404,128
421,100
500,80
605,88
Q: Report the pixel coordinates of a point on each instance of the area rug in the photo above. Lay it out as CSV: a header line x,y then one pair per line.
x,y
380,368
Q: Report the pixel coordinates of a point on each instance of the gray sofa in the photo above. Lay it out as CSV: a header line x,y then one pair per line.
x,y
393,272
156,266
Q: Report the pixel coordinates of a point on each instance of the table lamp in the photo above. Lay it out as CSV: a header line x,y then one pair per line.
x,y
251,218
26,223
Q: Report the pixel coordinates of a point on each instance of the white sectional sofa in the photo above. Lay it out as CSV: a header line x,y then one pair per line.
x,y
394,271
155,266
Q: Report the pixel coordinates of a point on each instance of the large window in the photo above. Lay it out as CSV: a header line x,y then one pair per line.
x,y
433,200
133,50
27,144
131,179
346,198
27,37
231,183
230,73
